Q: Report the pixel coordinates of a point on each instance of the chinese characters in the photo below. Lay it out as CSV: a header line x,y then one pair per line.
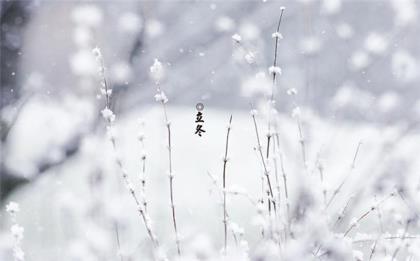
x,y
199,120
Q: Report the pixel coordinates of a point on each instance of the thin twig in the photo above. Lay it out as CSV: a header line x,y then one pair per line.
x,y
277,36
171,176
353,164
366,214
117,235
109,118
225,159
266,173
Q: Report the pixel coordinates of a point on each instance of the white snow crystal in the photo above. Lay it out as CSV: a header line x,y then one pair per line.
x,y
274,70
108,115
331,6
17,231
82,36
404,66
97,52
224,24
161,97
406,11
237,38
121,72
296,112
87,15
12,207
253,112
277,35
258,84
388,101
249,31
376,43
83,63
106,92
156,70
130,23
344,31
18,254
359,60
154,28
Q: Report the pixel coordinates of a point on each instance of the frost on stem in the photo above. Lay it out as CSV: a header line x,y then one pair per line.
x,y
237,38
225,160
156,72
274,70
16,231
161,97
109,117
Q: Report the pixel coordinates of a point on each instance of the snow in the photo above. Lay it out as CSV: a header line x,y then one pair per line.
x,y
345,110
193,158
156,70
376,43
237,38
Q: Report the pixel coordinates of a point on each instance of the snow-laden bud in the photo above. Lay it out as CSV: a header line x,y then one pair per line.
x,y
17,232
253,112
296,112
97,52
106,92
161,97
12,208
171,175
274,70
108,115
143,155
277,35
156,71
237,38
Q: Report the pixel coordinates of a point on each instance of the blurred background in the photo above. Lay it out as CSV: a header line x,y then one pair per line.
x,y
354,65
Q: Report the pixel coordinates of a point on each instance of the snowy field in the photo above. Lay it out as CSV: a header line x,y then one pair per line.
x,y
100,159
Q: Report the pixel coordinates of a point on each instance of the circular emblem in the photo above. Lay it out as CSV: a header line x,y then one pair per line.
x,y
199,106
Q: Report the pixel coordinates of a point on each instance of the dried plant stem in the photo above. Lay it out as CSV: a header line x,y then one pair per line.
x,y
143,174
225,159
276,146
171,176
342,213
270,189
302,142
271,101
124,175
286,192
144,215
366,214
353,164
373,250
221,194
394,255
117,235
